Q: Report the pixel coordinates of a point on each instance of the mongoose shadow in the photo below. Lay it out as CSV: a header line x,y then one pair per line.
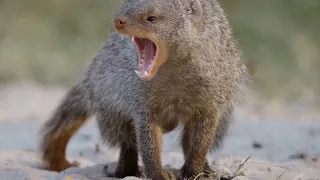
x,y
167,63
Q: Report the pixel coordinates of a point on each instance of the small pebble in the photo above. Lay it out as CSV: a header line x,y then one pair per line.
x,y
256,145
97,149
298,156
268,169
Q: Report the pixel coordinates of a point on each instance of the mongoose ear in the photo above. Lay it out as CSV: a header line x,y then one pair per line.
x,y
196,10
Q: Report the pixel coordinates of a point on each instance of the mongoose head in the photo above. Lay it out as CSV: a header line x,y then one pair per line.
x,y
159,29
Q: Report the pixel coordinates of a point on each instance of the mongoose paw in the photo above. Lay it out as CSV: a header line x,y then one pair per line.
x,y
62,165
122,173
207,170
187,172
168,175
70,165
75,164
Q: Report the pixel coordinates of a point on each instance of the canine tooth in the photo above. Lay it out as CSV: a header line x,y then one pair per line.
x,y
132,38
140,74
137,72
145,73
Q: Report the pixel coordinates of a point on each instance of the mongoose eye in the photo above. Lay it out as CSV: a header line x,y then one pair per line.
x,y
151,18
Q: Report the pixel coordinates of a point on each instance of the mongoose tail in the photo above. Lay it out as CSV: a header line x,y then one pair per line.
x,y
71,114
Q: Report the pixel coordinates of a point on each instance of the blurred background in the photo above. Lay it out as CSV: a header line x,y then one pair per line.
x,y
50,42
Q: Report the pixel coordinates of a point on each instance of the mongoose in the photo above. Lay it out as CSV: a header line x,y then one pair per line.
x,y
167,63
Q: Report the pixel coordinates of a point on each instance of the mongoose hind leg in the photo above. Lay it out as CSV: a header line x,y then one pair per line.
x,y
54,149
222,128
70,115
127,163
197,140
128,159
119,132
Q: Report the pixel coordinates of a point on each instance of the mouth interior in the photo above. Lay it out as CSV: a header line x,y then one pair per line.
x,y
148,54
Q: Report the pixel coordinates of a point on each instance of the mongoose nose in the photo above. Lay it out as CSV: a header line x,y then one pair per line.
x,y
120,23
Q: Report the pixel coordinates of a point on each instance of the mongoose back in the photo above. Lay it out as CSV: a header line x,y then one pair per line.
x,y
167,63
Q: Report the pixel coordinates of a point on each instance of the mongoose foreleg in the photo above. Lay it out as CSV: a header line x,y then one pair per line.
x,y
197,140
149,135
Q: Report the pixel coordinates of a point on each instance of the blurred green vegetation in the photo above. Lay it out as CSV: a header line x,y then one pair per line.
x,y
52,41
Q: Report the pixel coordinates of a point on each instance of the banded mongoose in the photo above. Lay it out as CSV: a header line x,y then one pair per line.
x,y
167,63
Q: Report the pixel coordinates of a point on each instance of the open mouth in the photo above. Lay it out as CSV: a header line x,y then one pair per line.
x,y
148,53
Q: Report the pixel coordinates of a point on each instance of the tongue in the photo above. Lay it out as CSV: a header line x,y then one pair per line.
x,y
149,49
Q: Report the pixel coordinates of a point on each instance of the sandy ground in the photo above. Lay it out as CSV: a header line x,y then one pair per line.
x,y
278,138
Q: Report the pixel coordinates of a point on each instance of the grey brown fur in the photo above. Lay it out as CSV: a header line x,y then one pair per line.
x,y
197,85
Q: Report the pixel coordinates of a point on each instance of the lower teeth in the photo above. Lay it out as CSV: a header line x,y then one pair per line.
x,y
141,74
